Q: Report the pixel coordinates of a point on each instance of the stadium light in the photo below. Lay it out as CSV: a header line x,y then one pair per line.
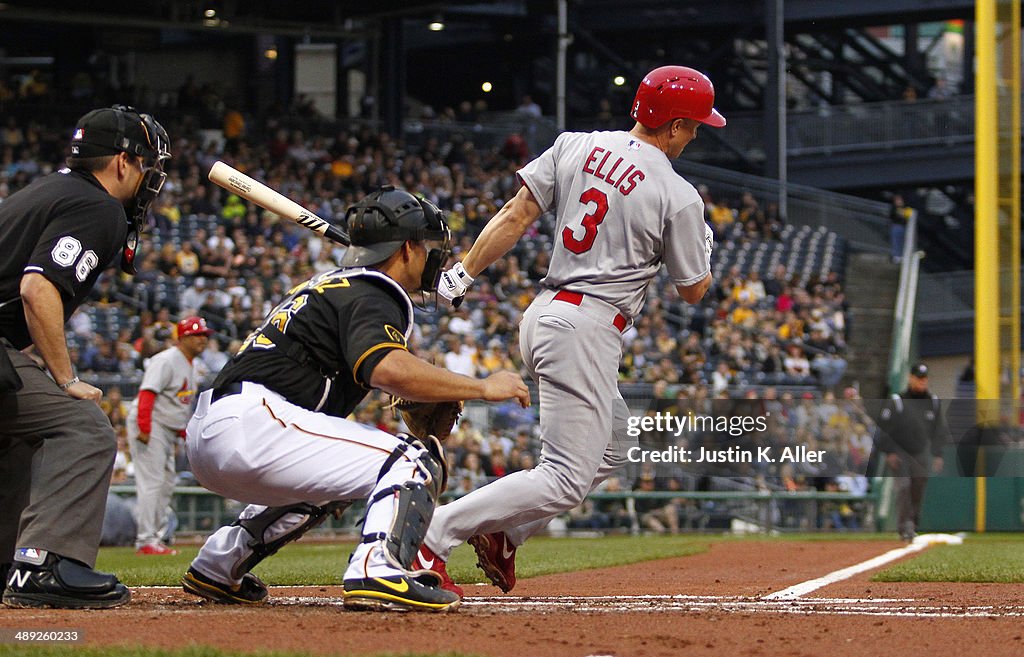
x,y
619,80
437,24
487,86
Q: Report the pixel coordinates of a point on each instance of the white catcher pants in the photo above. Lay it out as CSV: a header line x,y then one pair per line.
x,y
257,447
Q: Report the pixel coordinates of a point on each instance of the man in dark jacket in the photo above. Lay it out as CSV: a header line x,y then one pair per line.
x,y
913,433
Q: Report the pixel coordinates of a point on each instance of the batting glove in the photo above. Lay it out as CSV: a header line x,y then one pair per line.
x,y
709,241
453,284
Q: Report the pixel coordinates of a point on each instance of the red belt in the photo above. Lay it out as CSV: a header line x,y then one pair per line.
x,y
576,298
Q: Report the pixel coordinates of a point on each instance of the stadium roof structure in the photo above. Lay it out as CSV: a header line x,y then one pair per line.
x,y
338,17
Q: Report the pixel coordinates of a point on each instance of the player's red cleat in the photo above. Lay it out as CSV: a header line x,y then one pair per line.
x,y
496,556
427,560
156,549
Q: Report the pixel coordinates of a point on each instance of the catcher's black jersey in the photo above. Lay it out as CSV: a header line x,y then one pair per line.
x,y
347,320
64,226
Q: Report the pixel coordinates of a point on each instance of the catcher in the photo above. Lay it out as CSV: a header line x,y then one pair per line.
x,y
272,431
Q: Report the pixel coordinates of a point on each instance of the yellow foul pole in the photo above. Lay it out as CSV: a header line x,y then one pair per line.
x,y
986,230
997,342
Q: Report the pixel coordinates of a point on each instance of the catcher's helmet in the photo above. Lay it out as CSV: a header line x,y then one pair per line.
x,y
384,220
675,92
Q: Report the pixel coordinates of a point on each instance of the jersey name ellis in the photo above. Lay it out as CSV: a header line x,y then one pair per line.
x,y
609,170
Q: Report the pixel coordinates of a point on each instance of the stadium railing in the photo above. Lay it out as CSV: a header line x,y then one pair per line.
x,y
903,346
200,511
905,312
862,126
863,223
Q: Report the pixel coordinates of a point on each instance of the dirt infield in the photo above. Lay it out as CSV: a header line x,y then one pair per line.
x,y
709,604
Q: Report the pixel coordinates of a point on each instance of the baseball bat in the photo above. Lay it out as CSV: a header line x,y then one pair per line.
x,y
235,181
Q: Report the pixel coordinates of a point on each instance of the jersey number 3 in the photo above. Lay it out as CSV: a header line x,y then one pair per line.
x,y
590,222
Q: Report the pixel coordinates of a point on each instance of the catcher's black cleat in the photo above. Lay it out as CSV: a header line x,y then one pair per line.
x,y
63,584
399,593
252,590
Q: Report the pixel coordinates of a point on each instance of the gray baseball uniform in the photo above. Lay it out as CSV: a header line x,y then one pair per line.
x,y
174,379
622,212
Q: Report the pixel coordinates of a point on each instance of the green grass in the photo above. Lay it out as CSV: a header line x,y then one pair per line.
x,y
982,558
322,564
193,651
994,537
826,536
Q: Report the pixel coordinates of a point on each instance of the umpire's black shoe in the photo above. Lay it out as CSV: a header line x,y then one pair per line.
x,y
399,593
62,583
252,590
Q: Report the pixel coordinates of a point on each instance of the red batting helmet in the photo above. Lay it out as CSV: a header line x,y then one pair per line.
x,y
675,92
193,326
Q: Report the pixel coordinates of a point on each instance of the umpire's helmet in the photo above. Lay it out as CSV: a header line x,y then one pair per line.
x,y
675,92
110,130
385,220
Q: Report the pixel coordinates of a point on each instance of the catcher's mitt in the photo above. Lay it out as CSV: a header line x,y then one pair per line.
x,y
429,418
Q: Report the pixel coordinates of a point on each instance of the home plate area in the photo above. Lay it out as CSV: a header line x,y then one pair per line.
x,y
791,600
815,595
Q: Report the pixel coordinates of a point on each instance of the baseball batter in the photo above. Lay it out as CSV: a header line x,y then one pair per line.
x,y
272,431
156,421
622,212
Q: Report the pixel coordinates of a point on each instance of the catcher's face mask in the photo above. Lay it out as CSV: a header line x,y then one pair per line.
x,y
437,232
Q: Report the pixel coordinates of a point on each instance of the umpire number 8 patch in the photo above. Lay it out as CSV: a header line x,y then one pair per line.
x,y
67,250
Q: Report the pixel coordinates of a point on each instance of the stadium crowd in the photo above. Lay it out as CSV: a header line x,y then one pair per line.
x,y
209,253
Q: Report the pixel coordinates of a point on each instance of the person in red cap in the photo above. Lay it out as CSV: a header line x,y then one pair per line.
x,y
156,421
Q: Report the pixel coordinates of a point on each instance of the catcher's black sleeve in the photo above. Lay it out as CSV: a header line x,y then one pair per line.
x,y
375,325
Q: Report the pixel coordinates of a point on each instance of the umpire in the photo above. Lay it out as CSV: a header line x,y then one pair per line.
x,y
56,445
912,434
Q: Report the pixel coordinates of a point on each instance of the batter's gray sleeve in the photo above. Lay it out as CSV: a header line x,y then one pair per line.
x,y
685,257
539,175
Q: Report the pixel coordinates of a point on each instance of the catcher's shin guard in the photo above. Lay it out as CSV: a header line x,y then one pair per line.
x,y
276,526
430,461
414,503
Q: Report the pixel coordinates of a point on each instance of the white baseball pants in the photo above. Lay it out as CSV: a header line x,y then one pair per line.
x,y
257,447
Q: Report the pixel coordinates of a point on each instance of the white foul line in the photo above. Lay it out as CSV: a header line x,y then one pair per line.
x,y
920,543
